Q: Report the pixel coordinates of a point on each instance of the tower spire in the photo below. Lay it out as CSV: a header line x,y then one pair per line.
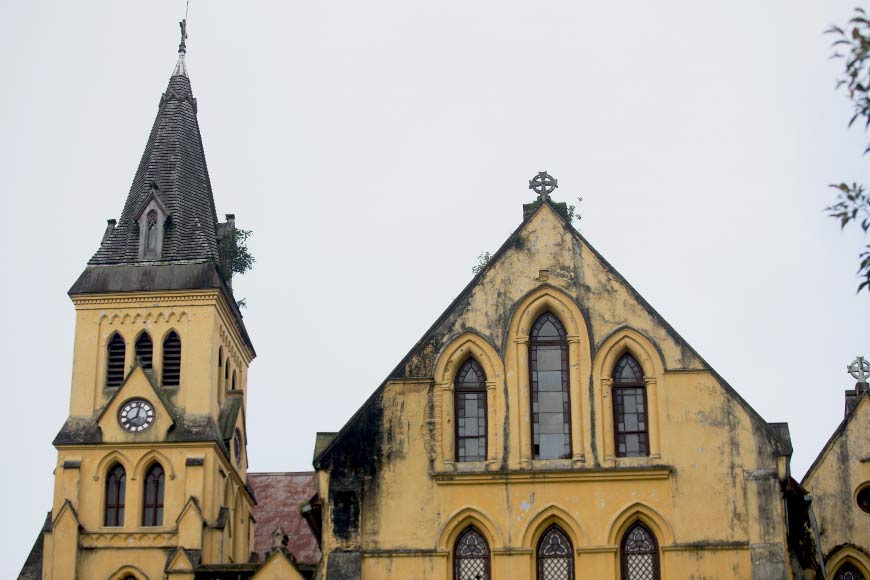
x,y
181,67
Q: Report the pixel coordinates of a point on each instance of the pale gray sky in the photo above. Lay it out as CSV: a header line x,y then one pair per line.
x,y
375,148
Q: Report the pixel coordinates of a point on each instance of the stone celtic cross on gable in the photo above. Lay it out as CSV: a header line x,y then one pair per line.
x,y
543,184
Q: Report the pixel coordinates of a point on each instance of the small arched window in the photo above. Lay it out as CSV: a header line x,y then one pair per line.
x,y
227,372
171,360
471,556
555,556
116,352
233,386
145,350
152,234
849,571
639,554
116,482
551,405
470,408
630,425
152,506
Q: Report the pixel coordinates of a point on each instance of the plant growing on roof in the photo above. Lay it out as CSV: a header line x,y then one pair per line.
x,y
234,254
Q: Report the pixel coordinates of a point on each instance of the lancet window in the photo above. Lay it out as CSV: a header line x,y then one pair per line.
x,y
116,351
639,554
471,556
145,350
471,409
630,417
116,483
555,556
171,360
551,406
152,506
848,571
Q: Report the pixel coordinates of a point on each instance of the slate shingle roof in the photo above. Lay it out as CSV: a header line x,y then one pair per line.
x,y
174,160
278,498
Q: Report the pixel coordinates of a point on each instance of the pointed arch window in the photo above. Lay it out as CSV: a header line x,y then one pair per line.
x,y
151,234
639,554
551,406
145,350
116,483
171,360
116,352
849,571
152,506
470,408
555,555
471,556
630,418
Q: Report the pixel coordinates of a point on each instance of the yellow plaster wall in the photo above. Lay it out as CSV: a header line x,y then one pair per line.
x,y
202,321
199,478
834,483
709,489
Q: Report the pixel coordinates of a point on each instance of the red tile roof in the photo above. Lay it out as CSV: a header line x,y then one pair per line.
x,y
278,498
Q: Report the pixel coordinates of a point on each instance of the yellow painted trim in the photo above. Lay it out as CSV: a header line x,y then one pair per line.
x,y
553,514
651,518
462,519
851,555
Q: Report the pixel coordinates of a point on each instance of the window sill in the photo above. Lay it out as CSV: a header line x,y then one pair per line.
x,y
550,473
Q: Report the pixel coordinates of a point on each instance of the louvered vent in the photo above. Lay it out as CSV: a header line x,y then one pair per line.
x,y
115,363
172,360
145,350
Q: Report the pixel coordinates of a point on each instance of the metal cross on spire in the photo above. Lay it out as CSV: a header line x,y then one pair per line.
x,y
182,46
543,184
860,369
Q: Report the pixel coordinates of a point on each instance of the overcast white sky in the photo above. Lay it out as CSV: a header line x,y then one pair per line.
x,y
375,148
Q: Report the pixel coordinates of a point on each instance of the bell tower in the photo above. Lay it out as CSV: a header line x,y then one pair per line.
x,y
150,479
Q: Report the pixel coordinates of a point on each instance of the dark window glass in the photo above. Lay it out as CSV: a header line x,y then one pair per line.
x,y
471,557
864,499
639,554
470,402
145,350
630,426
555,556
116,353
551,405
171,360
233,388
116,482
237,447
848,572
152,507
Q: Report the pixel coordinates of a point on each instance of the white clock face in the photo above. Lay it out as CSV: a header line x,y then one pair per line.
x,y
136,415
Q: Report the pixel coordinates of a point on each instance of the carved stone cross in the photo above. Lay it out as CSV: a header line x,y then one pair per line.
x,y
543,184
860,369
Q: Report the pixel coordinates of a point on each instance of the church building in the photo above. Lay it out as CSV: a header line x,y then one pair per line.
x,y
549,425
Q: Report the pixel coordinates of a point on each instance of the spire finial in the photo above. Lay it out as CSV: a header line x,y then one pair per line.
x,y
182,46
181,67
